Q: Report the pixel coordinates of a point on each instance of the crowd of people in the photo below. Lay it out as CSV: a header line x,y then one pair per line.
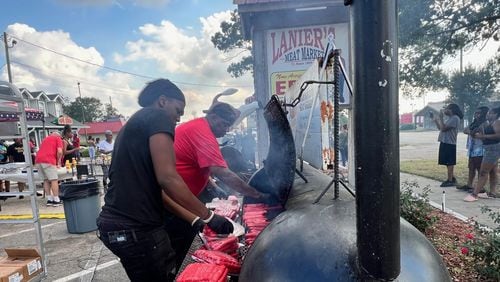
x,y
483,149
47,159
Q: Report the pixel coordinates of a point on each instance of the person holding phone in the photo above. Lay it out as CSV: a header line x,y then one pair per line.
x,y
448,131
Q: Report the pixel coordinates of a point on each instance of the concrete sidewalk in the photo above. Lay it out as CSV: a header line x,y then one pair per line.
x,y
454,199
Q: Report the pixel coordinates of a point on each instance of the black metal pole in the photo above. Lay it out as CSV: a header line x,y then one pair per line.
x,y
374,45
336,108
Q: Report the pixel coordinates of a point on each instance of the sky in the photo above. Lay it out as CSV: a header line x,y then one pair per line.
x,y
63,42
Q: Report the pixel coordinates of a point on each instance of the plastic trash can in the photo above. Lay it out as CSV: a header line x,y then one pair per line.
x,y
81,205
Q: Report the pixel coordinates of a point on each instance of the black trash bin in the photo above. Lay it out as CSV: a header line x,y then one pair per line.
x,y
81,205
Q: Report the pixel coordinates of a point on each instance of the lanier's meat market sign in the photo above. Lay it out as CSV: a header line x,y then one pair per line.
x,y
291,51
299,45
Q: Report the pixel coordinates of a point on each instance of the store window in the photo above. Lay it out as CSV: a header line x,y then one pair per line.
x,y
42,107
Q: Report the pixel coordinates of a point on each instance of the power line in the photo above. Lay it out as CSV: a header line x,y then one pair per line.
x,y
122,90
122,71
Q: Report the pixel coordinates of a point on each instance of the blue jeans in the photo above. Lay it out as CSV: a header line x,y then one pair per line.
x,y
344,155
145,255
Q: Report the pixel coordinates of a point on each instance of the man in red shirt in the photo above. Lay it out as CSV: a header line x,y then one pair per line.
x,y
47,160
198,155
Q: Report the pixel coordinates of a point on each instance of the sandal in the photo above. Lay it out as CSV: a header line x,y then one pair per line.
x,y
470,198
483,196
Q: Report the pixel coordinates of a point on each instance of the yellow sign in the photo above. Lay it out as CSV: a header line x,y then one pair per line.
x,y
281,81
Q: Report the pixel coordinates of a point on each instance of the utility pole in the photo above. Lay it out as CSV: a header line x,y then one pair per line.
x,y
461,61
83,111
7,58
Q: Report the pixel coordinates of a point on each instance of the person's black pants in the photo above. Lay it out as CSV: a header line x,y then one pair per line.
x,y
181,236
145,255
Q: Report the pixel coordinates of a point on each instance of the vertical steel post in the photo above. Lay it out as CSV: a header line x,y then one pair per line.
x,y
374,45
83,112
7,58
336,108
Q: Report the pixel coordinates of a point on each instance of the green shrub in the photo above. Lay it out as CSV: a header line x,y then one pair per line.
x,y
484,247
415,208
84,152
408,126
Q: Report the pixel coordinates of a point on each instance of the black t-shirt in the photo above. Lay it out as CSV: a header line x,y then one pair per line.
x,y
69,157
134,195
17,152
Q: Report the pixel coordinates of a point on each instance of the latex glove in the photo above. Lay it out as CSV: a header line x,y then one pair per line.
x,y
219,224
198,224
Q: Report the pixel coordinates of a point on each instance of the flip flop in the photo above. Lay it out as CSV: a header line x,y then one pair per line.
x,y
483,196
470,198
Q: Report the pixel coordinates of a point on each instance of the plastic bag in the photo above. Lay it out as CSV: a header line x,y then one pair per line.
x,y
219,258
203,272
73,190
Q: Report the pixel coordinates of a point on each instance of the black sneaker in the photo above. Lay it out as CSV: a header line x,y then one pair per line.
x,y
447,183
464,188
21,197
56,204
49,203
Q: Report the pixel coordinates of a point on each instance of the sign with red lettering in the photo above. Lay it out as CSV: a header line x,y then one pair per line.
x,y
291,51
64,120
282,81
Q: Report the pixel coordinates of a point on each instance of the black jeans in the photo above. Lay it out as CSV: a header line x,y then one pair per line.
x,y
145,255
181,235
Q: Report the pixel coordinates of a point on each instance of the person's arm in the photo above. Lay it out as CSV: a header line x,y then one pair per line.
x,y
439,121
59,156
494,136
467,130
162,154
177,209
103,151
234,182
64,147
179,198
444,126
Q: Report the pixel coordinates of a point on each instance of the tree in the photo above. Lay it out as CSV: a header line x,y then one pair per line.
x,y
92,107
431,31
110,111
473,87
230,40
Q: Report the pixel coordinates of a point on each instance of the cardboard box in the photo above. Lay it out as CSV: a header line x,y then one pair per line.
x,y
11,274
28,259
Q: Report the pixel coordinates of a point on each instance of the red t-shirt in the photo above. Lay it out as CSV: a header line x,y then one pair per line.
x,y
47,154
196,150
76,141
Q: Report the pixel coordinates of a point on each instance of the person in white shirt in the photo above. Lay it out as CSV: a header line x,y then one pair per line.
x,y
106,147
